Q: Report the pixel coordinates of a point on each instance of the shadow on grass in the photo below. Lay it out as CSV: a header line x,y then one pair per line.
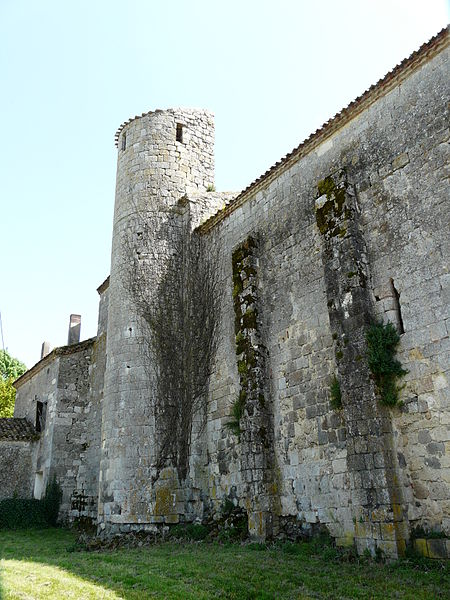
x,y
43,564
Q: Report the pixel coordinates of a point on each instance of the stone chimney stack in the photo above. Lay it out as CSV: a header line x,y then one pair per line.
x,y
74,330
46,349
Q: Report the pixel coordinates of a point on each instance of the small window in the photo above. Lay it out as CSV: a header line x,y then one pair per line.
x,y
124,141
41,410
179,133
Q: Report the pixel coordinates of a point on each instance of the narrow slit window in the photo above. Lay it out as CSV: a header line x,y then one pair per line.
x,y
179,133
124,141
398,310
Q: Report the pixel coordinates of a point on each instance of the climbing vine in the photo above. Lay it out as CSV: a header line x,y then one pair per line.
x,y
177,298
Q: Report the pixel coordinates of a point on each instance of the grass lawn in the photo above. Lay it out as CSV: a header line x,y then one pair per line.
x,y
43,564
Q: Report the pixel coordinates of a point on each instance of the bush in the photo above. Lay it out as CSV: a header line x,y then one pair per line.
x,y
382,341
192,531
16,513
335,394
52,501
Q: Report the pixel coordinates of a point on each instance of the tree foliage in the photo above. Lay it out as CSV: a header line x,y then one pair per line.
x,y
10,369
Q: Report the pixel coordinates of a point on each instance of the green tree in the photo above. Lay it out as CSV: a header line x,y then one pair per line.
x,y
10,369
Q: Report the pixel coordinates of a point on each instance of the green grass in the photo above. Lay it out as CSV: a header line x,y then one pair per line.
x,y
43,564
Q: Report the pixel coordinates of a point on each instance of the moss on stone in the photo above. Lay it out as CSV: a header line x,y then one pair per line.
x,y
245,324
238,287
249,319
241,343
329,216
242,367
335,394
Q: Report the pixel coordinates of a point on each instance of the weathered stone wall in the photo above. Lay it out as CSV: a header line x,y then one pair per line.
x,y
396,171
404,203
69,381
158,166
40,385
351,229
84,498
16,470
72,429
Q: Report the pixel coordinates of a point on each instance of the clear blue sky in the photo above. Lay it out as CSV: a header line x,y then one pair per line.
x,y
71,72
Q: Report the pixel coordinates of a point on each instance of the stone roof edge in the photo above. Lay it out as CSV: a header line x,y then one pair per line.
x,y
103,286
393,78
61,351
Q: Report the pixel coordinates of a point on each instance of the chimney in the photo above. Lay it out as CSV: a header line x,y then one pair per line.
x,y
46,349
74,330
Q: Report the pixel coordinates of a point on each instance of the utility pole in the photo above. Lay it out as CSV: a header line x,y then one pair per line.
x,y
1,330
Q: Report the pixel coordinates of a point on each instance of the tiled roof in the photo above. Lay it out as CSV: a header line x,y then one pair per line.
x,y
17,430
361,103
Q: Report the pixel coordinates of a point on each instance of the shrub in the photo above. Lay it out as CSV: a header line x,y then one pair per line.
x,y
335,394
25,513
191,531
382,341
52,501
237,412
16,513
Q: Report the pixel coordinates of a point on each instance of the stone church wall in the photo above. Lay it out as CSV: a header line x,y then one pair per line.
x,y
16,457
351,228
395,169
84,497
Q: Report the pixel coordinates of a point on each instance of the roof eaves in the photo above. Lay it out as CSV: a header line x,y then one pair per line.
x,y
361,103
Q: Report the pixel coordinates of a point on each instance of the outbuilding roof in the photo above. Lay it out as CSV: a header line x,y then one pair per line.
x,y
15,429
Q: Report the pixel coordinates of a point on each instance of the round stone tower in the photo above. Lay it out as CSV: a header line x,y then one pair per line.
x,y
162,157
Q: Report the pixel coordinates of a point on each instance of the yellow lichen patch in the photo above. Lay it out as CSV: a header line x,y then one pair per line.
x,y
388,531
364,529
273,488
415,354
401,547
256,525
346,540
172,519
420,545
165,501
397,509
